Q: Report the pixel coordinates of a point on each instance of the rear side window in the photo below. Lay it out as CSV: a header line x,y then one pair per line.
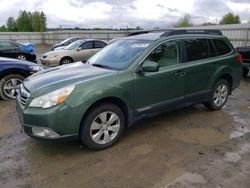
x,y
197,49
221,47
7,45
99,44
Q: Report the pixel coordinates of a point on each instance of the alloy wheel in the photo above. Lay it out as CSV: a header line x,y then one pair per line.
x,y
10,87
105,127
22,57
220,95
66,61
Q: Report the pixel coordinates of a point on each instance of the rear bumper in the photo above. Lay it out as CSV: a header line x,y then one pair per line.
x,y
246,66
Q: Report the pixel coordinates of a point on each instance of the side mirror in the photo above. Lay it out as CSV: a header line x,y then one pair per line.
x,y
78,49
150,66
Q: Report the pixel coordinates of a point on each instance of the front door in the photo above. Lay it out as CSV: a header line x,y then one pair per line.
x,y
85,51
164,87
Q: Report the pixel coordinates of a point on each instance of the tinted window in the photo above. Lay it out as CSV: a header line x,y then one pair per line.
x,y
7,45
87,45
165,54
221,47
99,44
197,49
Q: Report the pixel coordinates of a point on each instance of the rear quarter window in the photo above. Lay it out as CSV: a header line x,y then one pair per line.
x,y
221,47
99,44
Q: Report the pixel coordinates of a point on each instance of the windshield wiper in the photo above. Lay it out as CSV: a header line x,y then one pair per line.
x,y
102,66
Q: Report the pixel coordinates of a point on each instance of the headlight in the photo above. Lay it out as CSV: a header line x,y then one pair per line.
x,y
52,99
54,56
35,68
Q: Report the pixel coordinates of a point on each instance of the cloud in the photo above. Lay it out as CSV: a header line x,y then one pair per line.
x,y
125,13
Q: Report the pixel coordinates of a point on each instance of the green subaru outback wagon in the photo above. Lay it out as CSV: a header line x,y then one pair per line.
x,y
132,78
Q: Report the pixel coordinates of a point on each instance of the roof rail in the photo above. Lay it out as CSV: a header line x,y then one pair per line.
x,y
148,31
191,31
170,32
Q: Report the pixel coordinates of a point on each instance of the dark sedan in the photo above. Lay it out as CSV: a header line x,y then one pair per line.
x,y
12,73
16,50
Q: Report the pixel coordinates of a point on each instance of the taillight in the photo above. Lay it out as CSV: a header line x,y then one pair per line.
x,y
239,58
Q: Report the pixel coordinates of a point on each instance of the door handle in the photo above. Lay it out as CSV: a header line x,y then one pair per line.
x,y
179,73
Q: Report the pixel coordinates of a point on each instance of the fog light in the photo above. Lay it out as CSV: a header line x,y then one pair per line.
x,y
43,132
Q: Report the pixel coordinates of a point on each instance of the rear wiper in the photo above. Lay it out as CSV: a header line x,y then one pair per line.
x,y
102,66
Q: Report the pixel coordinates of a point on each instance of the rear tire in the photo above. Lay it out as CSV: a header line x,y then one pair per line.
x,y
219,95
8,85
102,126
245,72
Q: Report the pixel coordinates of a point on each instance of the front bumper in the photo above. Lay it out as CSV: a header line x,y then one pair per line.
x,y
28,130
49,62
62,120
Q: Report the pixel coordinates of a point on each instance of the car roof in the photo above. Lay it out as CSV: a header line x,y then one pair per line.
x,y
7,40
85,40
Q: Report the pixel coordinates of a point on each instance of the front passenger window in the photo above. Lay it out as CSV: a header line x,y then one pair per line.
x,y
87,45
165,54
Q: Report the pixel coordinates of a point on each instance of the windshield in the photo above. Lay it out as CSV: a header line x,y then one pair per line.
x,y
73,45
66,40
119,55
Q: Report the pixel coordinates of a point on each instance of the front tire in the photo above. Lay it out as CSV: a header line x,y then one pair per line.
x,y
8,86
218,96
65,60
102,126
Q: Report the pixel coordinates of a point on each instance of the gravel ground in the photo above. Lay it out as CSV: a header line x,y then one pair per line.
x,y
189,147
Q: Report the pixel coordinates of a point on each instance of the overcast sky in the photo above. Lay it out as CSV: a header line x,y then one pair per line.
x,y
125,13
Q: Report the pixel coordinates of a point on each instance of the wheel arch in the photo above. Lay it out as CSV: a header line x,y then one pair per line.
x,y
113,100
229,79
64,58
13,71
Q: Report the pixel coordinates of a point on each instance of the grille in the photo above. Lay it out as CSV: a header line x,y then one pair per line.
x,y
22,95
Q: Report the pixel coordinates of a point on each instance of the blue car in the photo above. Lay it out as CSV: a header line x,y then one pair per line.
x,y
12,74
11,49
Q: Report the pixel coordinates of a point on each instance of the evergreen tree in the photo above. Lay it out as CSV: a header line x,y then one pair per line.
x,y
24,21
43,21
3,28
11,24
36,21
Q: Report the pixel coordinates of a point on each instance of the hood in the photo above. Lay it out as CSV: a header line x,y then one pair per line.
x,y
59,48
64,75
9,61
56,52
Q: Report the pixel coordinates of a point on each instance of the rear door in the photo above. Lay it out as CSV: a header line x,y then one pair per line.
x,y
200,66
